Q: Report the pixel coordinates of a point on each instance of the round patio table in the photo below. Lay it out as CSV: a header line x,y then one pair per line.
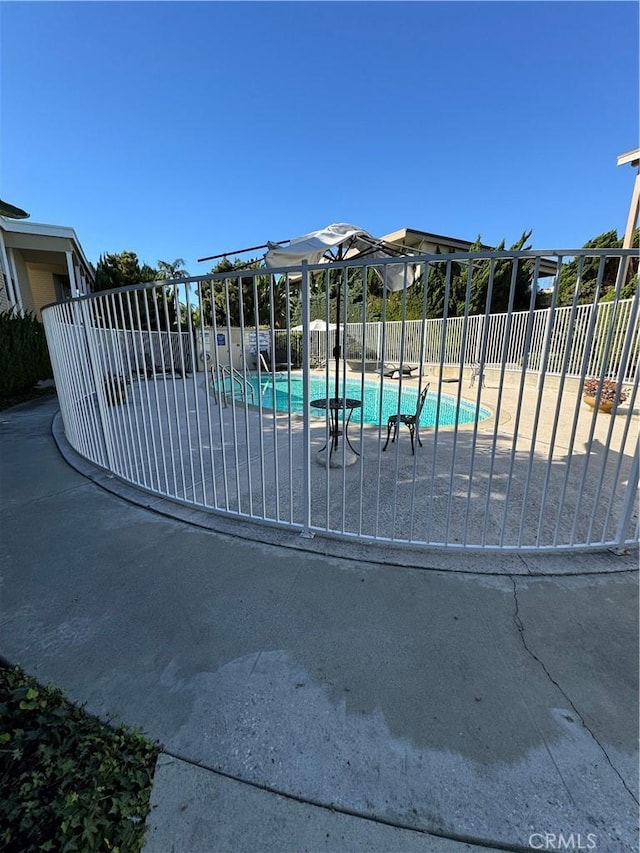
x,y
336,405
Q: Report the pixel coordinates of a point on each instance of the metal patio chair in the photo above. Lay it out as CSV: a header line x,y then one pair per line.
x,y
476,372
412,421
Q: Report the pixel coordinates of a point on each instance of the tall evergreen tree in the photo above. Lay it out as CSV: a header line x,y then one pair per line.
x,y
235,302
589,269
148,309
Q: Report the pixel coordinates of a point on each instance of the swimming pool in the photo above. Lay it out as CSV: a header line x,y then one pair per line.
x,y
288,397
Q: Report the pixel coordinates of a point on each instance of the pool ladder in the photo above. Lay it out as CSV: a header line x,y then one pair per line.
x,y
236,378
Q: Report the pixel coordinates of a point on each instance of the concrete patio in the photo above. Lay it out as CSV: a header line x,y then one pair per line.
x,y
525,478
307,702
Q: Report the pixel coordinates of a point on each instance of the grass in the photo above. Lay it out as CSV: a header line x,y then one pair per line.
x,y
68,781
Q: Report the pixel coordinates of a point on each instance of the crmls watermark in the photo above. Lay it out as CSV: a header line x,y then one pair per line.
x,y
563,841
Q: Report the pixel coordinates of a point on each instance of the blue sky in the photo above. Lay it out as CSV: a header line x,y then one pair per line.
x,y
188,129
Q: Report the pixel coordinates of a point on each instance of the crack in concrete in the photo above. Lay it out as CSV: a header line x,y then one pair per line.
x,y
460,838
520,626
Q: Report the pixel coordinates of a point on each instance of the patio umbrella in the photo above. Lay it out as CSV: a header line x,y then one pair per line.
x,y
12,212
338,242
316,326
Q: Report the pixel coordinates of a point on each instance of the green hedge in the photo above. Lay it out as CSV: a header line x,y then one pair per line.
x,y
24,357
68,782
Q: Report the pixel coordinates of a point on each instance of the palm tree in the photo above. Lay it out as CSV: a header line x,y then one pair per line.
x,y
167,270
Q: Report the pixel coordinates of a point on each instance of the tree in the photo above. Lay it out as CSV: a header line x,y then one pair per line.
x,y
502,277
589,270
456,274
121,270
235,302
151,309
169,270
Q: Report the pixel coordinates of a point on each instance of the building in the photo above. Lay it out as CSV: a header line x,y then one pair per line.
x,y
40,264
430,244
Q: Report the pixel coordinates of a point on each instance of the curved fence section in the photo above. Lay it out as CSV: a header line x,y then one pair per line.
x,y
241,393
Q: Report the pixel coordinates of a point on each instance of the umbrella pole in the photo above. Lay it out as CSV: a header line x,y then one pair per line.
x,y
337,347
337,351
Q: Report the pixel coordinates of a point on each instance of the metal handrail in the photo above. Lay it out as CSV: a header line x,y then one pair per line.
x,y
236,377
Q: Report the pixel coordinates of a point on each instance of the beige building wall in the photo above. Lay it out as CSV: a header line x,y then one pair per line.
x,y
42,285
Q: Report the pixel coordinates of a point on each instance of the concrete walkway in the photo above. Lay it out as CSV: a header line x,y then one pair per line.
x,y
306,702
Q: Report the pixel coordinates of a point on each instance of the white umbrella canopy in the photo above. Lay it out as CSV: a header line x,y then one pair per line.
x,y
350,242
313,247
316,326
341,241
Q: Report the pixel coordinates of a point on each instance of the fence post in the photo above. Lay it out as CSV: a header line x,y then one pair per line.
x,y
306,426
98,380
628,503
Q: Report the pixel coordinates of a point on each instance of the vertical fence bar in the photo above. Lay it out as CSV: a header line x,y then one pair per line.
x,y
481,357
632,333
503,349
530,318
383,355
184,369
290,419
590,318
194,384
243,394
132,409
95,361
211,374
604,362
145,398
306,408
619,382
400,384
256,325
232,397
364,346
421,358
150,378
630,495
276,460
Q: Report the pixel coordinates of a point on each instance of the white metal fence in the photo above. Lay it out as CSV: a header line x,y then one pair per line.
x,y
211,412
528,335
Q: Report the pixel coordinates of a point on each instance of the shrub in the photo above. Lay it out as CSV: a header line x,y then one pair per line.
x,y
68,782
24,357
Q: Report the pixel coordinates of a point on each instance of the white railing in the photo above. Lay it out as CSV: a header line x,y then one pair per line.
x,y
409,335
515,461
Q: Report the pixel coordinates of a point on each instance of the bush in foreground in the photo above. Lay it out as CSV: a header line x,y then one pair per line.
x,y
24,357
68,782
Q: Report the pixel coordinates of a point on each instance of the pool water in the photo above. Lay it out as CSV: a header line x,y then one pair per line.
x,y
288,397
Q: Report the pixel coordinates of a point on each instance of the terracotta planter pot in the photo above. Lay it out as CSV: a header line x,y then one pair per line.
x,y
605,405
